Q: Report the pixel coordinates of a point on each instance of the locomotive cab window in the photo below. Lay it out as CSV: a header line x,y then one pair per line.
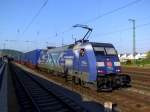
x,y
99,51
110,51
104,51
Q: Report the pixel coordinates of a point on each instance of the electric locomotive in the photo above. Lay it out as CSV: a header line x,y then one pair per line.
x,y
88,63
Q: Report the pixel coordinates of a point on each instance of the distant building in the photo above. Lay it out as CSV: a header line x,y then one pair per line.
x,y
144,55
129,56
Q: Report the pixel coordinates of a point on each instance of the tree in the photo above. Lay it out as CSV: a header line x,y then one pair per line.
x,y
148,55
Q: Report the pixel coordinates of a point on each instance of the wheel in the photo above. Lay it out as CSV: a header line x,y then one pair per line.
x,y
77,81
82,83
104,85
65,70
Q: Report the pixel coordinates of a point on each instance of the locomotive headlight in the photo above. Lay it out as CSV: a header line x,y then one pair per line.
x,y
100,64
101,72
118,70
116,63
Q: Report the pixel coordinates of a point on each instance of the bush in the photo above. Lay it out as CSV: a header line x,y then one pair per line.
x,y
128,62
148,55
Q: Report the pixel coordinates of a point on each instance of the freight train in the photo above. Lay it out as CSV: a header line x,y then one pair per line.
x,y
88,63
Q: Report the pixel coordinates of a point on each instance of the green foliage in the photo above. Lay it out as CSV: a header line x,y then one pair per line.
x,y
143,61
10,53
128,62
148,55
139,62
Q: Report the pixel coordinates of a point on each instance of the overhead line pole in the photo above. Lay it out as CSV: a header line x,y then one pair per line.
x,y
134,46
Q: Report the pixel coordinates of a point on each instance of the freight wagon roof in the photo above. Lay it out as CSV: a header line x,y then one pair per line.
x,y
36,50
63,48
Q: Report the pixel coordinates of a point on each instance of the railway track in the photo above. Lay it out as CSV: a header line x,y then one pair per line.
x,y
33,96
143,84
138,74
136,69
127,100
140,82
140,77
124,98
2,67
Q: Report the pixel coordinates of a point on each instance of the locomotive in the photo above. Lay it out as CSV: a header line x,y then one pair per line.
x,y
88,63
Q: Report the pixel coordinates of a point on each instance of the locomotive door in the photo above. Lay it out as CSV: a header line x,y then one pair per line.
x,y
76,62
82,62
79,61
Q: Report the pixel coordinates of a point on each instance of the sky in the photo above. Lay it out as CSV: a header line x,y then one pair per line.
x,y
23,27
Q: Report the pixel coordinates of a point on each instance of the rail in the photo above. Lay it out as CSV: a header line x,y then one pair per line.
x,y
2,67
34,96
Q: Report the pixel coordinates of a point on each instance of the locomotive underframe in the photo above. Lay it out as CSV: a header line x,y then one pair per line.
x,y
111,81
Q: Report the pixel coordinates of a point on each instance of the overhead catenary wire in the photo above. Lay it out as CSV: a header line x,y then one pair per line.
x,y
104,14
34,17
143,25
89,21
126,29
114,10
62,32
123,29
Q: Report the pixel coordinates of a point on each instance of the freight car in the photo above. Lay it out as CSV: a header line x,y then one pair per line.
x,y
29,58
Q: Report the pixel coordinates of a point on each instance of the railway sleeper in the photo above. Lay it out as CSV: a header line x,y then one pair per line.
x,y
49,104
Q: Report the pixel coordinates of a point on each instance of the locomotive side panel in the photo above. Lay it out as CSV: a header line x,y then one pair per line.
x,y
81,65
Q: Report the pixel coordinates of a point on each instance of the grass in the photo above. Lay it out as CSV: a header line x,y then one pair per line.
x,y
137,63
